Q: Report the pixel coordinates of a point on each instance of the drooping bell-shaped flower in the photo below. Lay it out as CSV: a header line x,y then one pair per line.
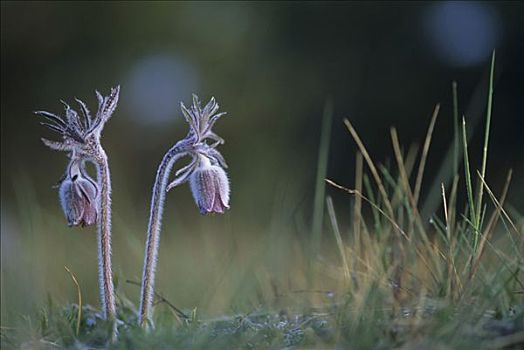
x,y
78,195
206,171
210,187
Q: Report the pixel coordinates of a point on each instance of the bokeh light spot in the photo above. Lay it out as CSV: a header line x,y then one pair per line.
x,y
462,33
155,87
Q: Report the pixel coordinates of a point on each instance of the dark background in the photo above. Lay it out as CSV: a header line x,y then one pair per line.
x,y
271,66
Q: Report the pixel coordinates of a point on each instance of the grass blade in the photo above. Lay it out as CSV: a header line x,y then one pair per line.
x,y
492,222
371,166
497,203
425,150
467,176
320,187
486,139
455,128
79,292
357,210
340,244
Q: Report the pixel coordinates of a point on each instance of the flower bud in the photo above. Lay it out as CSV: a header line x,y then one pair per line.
x,y
78,196
210,188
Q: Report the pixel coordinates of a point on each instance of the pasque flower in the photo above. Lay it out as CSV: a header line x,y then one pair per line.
x,y
201,121
205,172
83,201
210,188
208,181
78,195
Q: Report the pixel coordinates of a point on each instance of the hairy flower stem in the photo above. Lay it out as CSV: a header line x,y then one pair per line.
x,y
105,274
153,233
209,185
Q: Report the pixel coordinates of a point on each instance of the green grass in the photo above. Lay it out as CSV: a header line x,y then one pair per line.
x,y
391,279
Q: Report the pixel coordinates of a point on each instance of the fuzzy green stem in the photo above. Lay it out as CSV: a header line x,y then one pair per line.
x,y
105,274
153,234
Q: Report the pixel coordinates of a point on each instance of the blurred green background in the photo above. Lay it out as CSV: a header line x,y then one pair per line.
x,y
272,67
